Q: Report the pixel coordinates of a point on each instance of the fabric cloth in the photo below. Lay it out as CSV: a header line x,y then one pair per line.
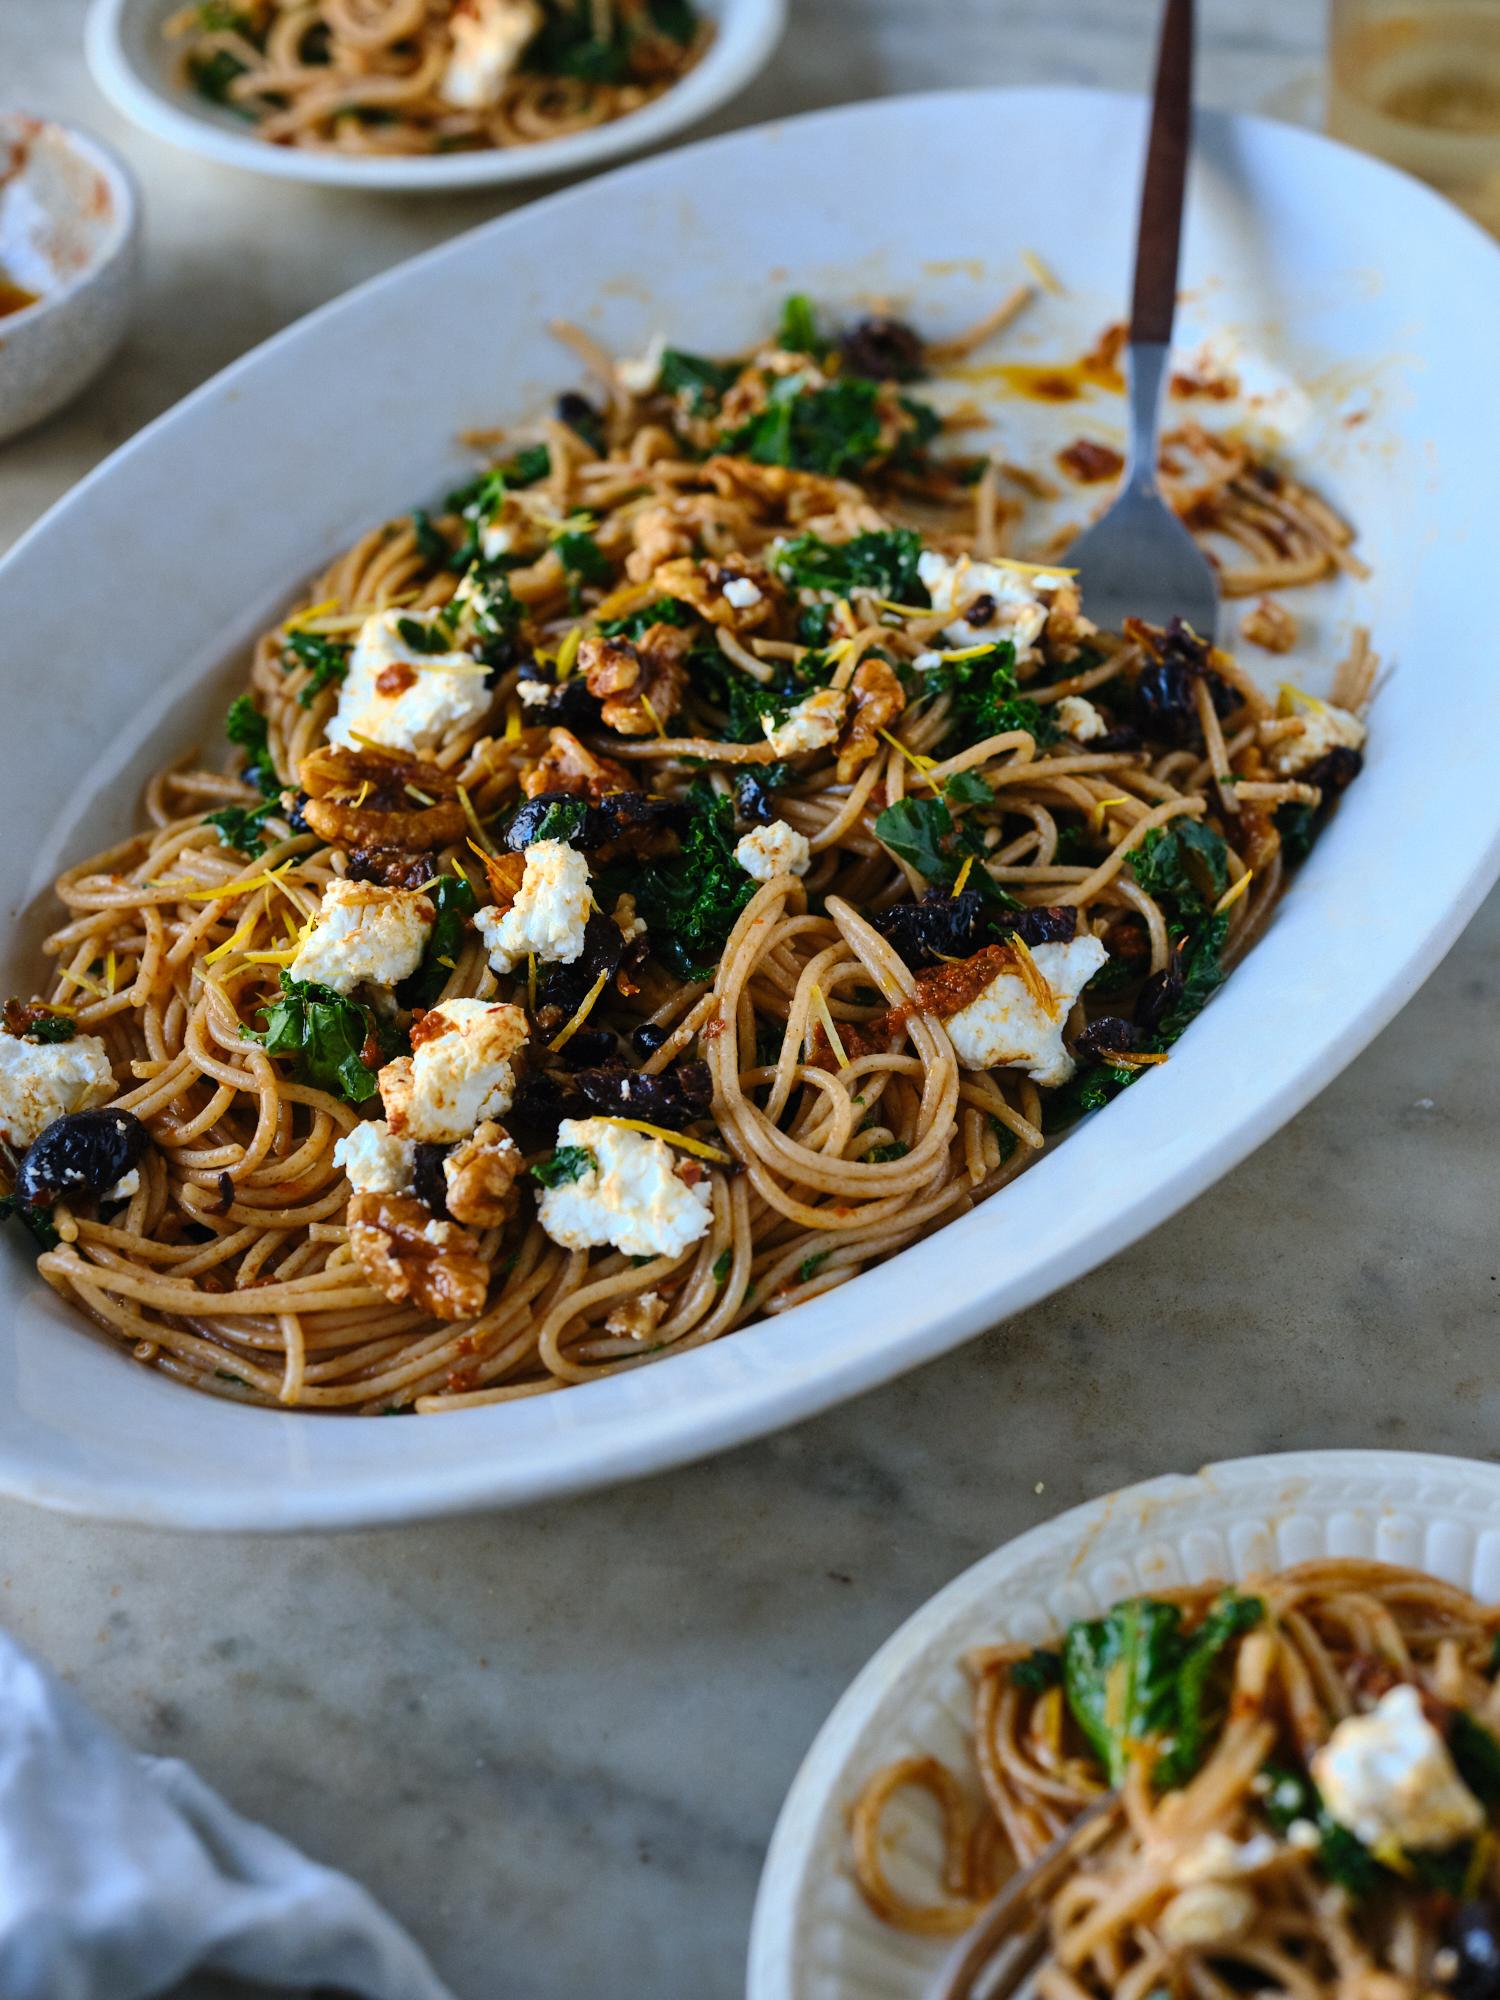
x,y
121,1874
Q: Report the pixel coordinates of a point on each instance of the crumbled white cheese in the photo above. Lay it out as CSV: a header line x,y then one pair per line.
x,y
812,725
375,1160
489,38
778,849
1324,728
40,1081
364,931
1007,1027
124,1187
1388,1777
1080,718
533,694
1210,1913
629,1195
741,592
640,375
458,1072
497,538
549,914
630,926
428,696
994,602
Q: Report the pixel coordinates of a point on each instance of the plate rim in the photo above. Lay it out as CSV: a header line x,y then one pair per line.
x,y
1060,1539
727,69
658,1439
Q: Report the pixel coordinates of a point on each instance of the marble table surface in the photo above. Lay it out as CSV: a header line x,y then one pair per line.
x,y
555,1744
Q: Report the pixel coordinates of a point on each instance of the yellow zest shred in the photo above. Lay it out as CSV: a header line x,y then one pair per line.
x,y
230,943
266,879
963,874
820,1008
443,959
1032,976
915,758
422,798
1133,1059
567,652
626,598
699,1147
1289,697
1043,272
513,722
299,620
82,979
906,610
656,723
461,872
362,794
272,957
110,969
531,981
486,845
570,1028
1100,807
1233,893
1028,568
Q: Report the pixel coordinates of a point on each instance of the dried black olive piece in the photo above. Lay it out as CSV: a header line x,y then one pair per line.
x,y
1473,1937
84,1153
561,816
1165,706
392,867
673,1099
294,817
1335,772
565,705
535,1113
648,1038
1125,737
887,349
940,923
588,1048
1107,1036
628,813
582,416
564,988
1159,995
1051,924
429,1180
753,800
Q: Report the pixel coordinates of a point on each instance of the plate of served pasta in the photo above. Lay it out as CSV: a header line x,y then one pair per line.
x,y
424,94
665,876
1275,1685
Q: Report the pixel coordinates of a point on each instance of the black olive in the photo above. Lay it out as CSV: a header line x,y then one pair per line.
x,y
82,1154
1473,1937
430,1181
566,987
753,800
1159,995
940,923
535,1113
628,813
392,867
560,816
580,415
887,349
648,1038
1335,772
1107,1036
565,705
673,1099
294,817
1125,737
588,1048
1165,705
1051,924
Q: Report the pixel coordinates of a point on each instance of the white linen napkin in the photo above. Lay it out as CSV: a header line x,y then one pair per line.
x,y
121,1874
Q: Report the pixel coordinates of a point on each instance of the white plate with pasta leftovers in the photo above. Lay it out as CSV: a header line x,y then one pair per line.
x,y
736,798
1307,1744
406,96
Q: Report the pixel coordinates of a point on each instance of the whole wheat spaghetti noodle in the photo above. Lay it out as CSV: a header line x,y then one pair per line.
x,y
653,888
432,76
1308,1781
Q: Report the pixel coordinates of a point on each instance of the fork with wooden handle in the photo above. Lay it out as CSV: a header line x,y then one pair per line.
x,y
1138,559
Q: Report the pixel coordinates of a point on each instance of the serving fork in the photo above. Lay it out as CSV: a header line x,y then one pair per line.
x,y
1138,559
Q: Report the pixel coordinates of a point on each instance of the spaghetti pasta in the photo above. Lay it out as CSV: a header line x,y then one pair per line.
x,y
696,839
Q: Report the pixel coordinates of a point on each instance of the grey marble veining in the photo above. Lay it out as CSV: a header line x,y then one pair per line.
x,y
555,1744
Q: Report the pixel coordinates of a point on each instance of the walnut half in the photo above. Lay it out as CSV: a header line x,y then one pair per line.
x,y
481,1174
366,799
407,1255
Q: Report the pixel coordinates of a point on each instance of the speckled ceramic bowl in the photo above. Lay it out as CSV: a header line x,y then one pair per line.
x,y
69,227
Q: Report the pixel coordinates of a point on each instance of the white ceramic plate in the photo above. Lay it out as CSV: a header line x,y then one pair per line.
x,y
131,62
813,1936
124,610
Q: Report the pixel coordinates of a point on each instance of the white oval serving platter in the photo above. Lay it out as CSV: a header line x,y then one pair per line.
x,y
813,1936
126,609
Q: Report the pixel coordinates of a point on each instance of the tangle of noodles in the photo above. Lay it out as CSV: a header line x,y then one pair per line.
x,y
1232,1871
791,1029
433,76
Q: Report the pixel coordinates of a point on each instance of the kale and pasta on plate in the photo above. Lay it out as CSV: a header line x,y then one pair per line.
x,y
686,866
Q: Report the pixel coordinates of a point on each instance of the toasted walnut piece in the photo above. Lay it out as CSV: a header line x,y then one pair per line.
x,y
1067,630
640,685
365,799
738,594
878,700
566,766
660,535
481,1174
407,1255
779,487
1271,625
637,1319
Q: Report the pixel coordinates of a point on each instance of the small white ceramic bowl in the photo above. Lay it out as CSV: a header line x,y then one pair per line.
x,y
131,62
69,229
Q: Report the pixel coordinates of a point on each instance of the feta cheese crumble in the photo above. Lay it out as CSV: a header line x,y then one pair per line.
x,y
778,849
741,592
1080,719
402,698
1324,728
364,932
40,1081
489,38
549,914
458,1072
629,1197
1007,1027
993,602
812,725
639,375
375,1160
1388,1777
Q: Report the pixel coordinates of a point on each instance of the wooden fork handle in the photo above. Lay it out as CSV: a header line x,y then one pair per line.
x,y
1160,236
